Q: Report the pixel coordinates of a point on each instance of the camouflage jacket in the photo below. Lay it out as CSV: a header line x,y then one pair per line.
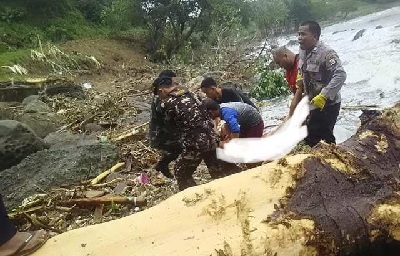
x,y
185,110
161,135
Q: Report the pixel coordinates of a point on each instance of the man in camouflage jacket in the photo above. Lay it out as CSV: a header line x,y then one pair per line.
x,y
197,137
163,136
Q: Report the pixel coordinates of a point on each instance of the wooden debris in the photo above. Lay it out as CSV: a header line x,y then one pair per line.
x,y
136,201
98,213
360,107
102,175
94,193
131,133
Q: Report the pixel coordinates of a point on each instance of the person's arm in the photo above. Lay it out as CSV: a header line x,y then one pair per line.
x,y
297,97
230,116
333,65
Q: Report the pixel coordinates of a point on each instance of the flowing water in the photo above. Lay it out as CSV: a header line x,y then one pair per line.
x,y
372,63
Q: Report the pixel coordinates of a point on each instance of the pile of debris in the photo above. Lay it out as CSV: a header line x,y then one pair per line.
x,y
131,185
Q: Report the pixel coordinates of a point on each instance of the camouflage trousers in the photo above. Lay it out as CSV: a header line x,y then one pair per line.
x,y
187,163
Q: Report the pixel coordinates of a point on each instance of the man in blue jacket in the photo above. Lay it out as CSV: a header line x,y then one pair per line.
x,y
243,120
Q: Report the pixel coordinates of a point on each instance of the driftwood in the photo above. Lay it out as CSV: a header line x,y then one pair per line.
x,y
136,201
129,134
338,200
104,174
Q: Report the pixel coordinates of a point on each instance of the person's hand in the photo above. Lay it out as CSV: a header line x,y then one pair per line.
x,y
319,101
234,135
222,143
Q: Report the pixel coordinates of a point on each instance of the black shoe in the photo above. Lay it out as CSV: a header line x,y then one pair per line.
x,y
164,170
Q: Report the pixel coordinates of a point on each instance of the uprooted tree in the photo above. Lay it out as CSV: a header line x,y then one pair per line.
x,y
338,200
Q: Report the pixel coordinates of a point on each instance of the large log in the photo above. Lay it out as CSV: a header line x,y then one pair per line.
x,y
338,200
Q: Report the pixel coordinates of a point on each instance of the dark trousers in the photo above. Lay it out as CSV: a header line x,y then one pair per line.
x,y
168,157
320,125
7,228
253,132
187,164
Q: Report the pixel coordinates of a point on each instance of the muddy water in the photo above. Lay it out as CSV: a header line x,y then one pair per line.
x,y
372,63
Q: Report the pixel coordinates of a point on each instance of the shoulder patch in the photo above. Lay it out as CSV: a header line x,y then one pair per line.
x,y
332,60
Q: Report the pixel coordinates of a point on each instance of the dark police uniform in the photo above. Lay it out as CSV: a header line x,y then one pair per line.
x,y
323,73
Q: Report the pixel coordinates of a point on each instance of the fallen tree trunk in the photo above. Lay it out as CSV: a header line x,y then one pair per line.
x,y
338,200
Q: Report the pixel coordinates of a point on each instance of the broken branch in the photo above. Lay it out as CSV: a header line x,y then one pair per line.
x,y
136,201
102,175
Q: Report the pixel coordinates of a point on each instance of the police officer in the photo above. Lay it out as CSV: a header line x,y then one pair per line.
x,y
197,137
323,76
163,136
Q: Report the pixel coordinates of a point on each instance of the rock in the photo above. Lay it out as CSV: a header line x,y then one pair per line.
x,y
29,99
5,114
94,193
17,141
41,123
64,87
17,93
378,27
62,164
66,138
37,106
359,34
91,127
395,41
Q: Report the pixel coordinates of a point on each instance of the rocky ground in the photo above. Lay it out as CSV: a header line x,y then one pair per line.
x,y
57,134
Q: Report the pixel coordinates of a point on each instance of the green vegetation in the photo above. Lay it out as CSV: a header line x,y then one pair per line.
x,y
166,27
271,84
172,31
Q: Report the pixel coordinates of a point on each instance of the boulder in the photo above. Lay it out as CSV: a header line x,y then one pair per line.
x,y
5,114
69,160
359,34
17,93
64,87
17,141
36,106
29,99
378,27
92,128
41,123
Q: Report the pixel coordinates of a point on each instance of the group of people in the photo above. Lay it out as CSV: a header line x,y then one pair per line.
x,y
317,72
184,127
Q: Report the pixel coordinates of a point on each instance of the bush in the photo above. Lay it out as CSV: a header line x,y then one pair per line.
x,y
271,84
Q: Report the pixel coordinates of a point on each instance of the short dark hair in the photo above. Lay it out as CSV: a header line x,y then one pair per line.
x,y
167,73
161,81
313,26
208,82
211,104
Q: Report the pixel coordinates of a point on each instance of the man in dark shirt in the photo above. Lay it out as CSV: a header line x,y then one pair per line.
x,y
223,95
